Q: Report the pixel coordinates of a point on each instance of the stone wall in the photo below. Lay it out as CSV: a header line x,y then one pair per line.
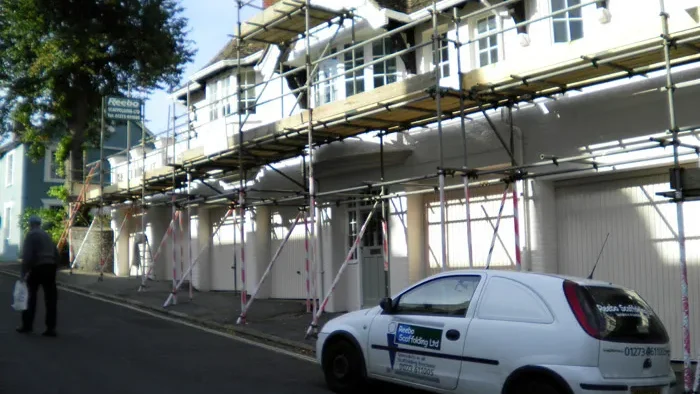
x,y
89,258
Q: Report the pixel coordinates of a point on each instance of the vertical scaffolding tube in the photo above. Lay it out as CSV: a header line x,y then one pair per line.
x,y
467,201
189,233
679,197
143,193
235,252
172,213
241,193
385,217
516,223
306,264
438,106
102,188
314,237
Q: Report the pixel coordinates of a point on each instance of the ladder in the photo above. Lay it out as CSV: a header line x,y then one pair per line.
x,y
76,207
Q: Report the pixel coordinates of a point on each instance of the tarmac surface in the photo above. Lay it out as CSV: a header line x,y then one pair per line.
x,y
107,348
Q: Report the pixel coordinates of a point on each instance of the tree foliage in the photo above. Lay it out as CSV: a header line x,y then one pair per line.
x,y
58,58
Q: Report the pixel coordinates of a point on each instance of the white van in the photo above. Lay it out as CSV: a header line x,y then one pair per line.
x,y
502,332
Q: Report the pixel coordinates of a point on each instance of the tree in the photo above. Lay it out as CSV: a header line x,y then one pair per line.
x,y
58,58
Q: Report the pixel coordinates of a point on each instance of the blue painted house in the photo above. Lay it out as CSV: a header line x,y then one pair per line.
x,y
24,183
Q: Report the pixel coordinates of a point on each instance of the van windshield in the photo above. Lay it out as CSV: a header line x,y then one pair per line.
x,y
625,317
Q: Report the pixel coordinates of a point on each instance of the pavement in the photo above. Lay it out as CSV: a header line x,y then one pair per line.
x,y
282,323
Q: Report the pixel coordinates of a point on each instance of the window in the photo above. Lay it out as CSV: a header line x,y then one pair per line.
x,y
444,53
447,296
373,236
10,169
325,87
385,72
569,25
214,100
487,46
227,97
355,81
248,96
8,222
51,167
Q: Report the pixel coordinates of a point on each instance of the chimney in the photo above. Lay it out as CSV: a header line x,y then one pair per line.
x,y
267,3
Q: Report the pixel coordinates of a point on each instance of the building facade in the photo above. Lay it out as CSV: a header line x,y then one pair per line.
x,y
564,214
25,183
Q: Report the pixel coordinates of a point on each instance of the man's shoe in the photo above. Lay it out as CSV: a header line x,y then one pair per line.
x,y
49,333
23,330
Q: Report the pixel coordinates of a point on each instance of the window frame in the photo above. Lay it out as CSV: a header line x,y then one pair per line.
x,y
567,20
386,76
356,78
10,169
249,96
489,49
396,302
49,160
7,221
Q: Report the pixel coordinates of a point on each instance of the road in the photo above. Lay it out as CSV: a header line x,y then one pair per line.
x,y
105,348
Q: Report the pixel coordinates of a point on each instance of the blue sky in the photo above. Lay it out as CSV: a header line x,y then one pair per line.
x,y
210,24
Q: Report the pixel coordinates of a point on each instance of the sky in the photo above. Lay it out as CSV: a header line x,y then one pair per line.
x,y
210,24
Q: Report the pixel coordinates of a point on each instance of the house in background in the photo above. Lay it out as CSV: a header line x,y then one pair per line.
x,y
25,183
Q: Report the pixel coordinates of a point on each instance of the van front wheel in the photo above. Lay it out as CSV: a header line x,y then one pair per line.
x,y
343,367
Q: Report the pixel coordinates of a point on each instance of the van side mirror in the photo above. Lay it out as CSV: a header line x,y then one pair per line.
x,y
387,305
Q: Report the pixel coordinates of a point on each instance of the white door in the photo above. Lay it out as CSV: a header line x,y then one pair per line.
x,y
642,251
370,254
422,340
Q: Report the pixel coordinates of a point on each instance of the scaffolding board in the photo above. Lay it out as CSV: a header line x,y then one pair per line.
x,y
412,102
284,21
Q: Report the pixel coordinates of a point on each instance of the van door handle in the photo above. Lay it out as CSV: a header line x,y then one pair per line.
x,y
452,335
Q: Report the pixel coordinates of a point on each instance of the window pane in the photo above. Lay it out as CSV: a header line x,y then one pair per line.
x,y
483,58
560,33
493,41
558,5
481,26
575,13
449,296
494,55
492,23
378,81
391,78
576,29
483,43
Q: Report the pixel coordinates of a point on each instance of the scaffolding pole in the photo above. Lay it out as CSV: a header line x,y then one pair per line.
x,y
679,198
244,311
441,169
358,239
306,263
199,255
241,182
458,47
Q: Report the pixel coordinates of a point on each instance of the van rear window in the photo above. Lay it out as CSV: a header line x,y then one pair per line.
x,y
625,317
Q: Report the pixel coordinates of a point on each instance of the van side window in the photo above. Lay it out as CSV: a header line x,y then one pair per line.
x,y
446,296
506,299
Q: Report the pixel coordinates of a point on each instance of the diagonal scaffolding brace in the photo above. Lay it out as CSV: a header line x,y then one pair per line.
x,y
247,305
358,239
169,300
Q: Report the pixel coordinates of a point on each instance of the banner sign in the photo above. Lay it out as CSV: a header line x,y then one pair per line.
x,y
123,108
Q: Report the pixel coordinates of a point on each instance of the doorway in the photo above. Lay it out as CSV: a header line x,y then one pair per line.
x,y
368,255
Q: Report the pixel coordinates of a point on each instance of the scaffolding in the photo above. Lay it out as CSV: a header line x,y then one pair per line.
x,y
418,101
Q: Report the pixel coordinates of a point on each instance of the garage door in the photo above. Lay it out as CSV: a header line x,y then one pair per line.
x,y
642,250
288,275
484,205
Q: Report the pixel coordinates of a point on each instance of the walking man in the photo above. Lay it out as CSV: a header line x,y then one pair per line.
x,y
39,265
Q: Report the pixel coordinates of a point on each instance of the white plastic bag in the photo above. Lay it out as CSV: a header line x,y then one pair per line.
x,y
20,296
